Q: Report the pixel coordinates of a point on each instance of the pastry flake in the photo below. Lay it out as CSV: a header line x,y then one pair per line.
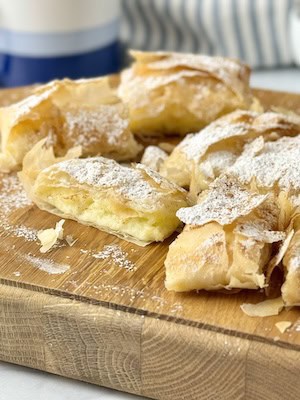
x,y
69,113
174,93
266,308
49,237
282,326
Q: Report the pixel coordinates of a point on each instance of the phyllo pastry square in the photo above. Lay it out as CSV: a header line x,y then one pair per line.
x,y
133,203
86,112
227,240
177,93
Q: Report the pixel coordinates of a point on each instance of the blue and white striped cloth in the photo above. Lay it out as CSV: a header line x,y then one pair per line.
x,y
256,31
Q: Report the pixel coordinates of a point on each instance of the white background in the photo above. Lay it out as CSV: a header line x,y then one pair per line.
x,y
19,383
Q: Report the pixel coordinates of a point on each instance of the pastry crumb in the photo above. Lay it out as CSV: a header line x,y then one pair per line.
x,y
282,326
48,237
264,309
70,240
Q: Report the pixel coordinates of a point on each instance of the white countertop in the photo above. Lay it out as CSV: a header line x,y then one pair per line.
x,y
19,383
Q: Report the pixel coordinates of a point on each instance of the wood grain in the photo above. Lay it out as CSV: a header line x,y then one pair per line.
x,y
103,324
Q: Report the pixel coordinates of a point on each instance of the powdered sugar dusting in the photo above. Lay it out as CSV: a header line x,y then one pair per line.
x,y
277,164
21,231
131,183
153,157
12,195
248,243
12,198
46,265
239,123
95,124
195,146
216,163
255,147
224,203
259,231
294,264
102,172
116,255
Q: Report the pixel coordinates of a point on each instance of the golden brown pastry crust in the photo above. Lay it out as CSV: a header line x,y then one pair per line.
x,y
176,93
85,112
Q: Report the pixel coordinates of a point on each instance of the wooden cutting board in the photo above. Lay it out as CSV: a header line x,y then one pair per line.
x,y
102,315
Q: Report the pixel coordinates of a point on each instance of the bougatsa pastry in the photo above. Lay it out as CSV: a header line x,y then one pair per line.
x,y
85,112
177,93
202,157
271,170
134,203
227,240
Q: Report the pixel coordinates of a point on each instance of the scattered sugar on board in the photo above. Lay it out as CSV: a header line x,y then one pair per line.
x,y
13,197
116,255
46,265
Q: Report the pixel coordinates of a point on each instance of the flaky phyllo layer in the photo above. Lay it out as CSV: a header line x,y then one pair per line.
x,y
69,113
134,203
244,225
174,93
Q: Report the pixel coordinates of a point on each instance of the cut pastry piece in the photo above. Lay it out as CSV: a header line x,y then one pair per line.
x,y
202,157
176,93
70,113
226,242
153,157
135,203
